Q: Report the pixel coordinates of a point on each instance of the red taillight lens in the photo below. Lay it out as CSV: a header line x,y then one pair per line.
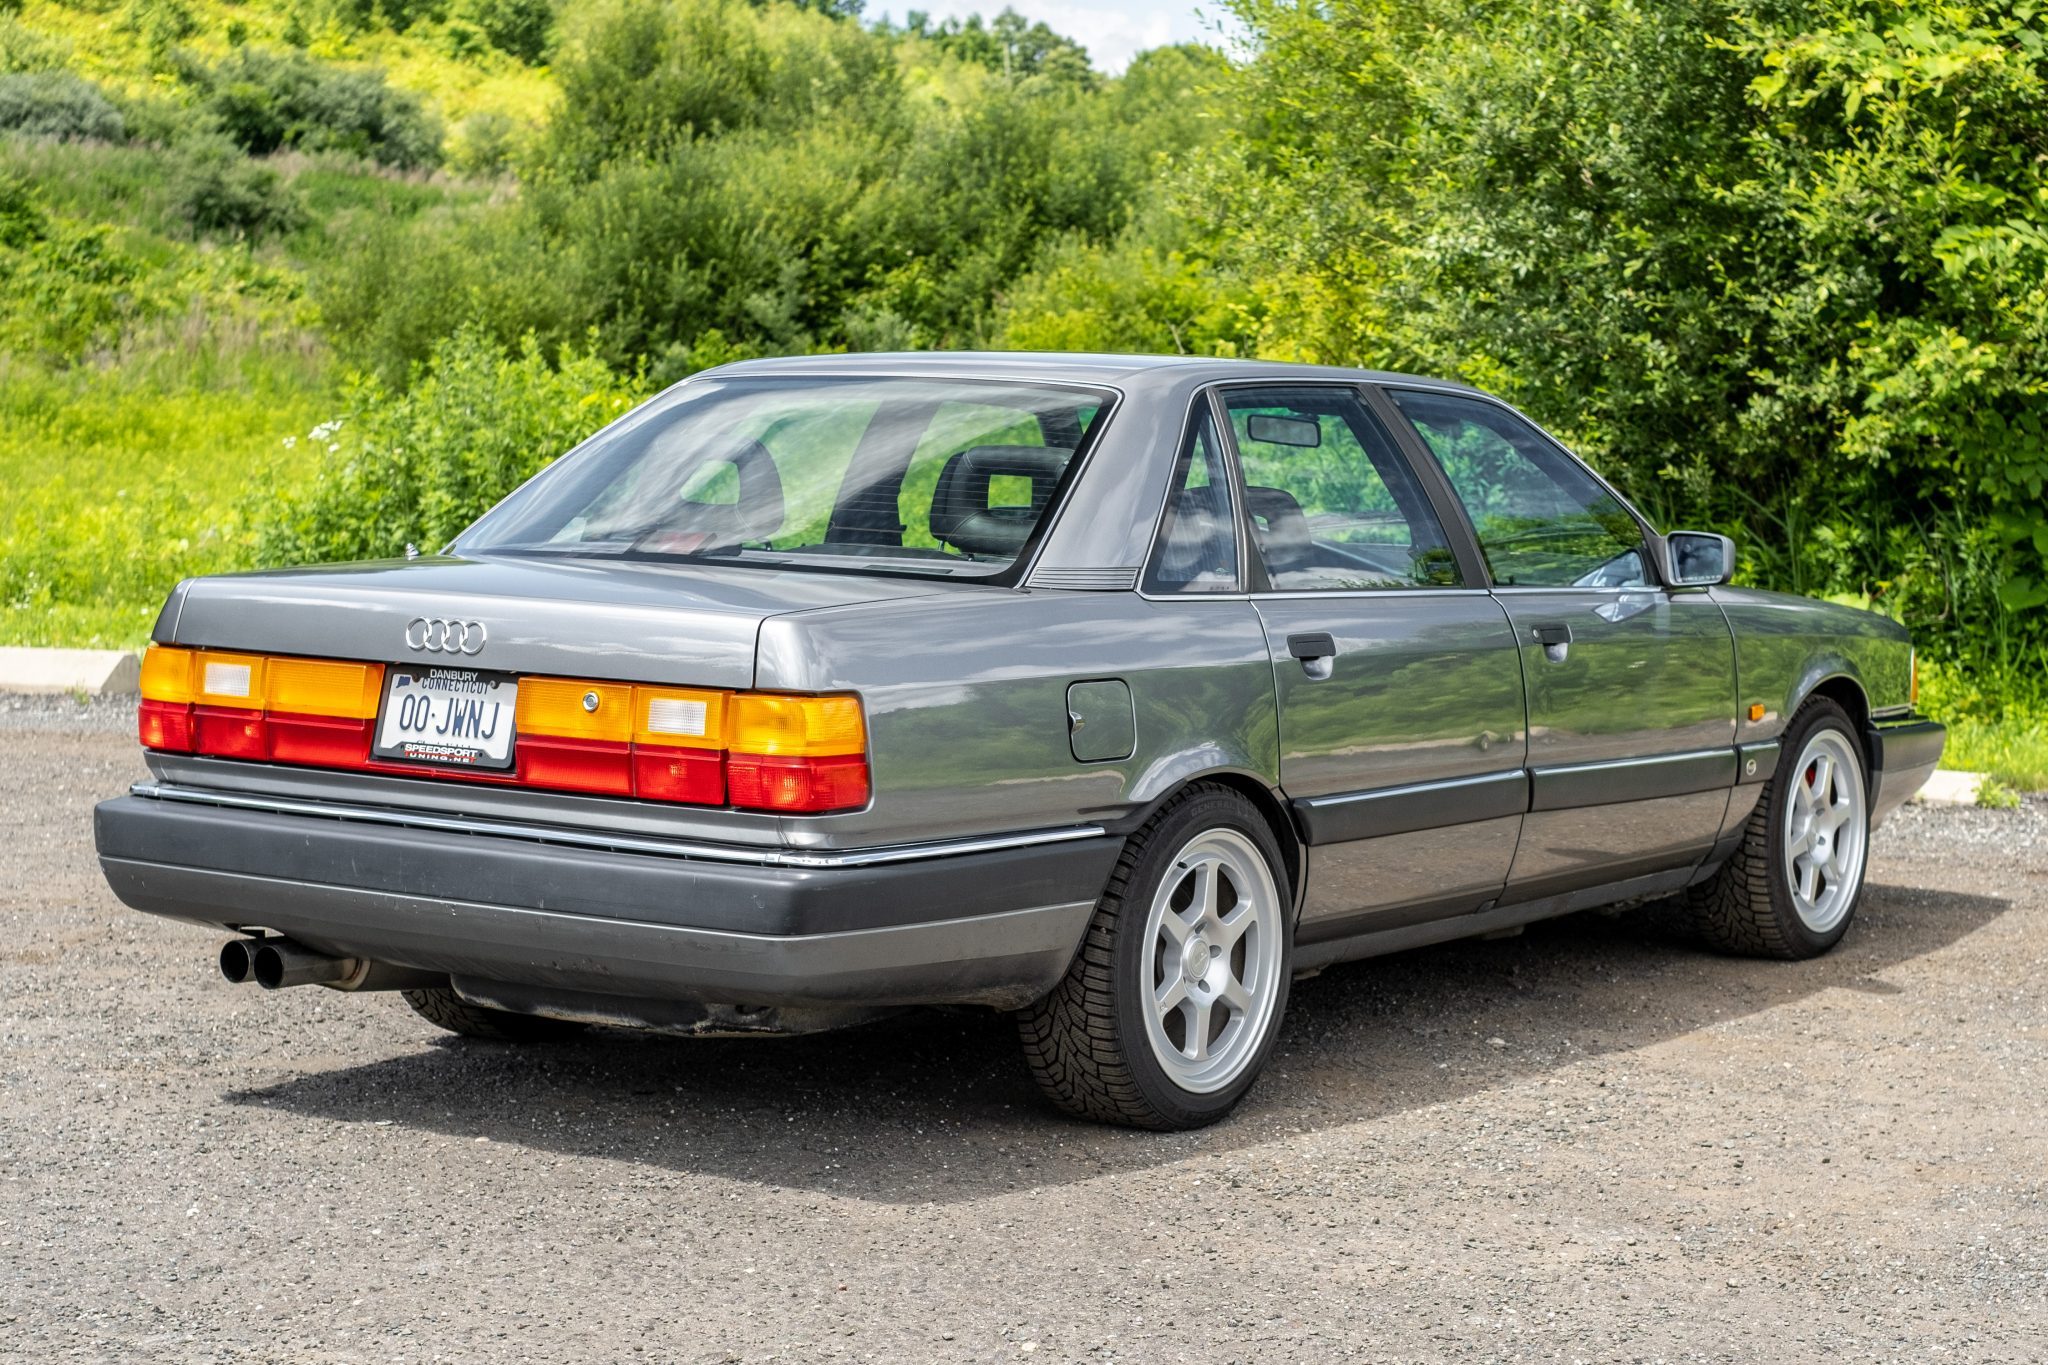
x,y
798,785
230,732
165,725
696,776
321,741
577,765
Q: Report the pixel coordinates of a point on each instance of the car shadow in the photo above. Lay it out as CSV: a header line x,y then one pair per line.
x,y
936,1107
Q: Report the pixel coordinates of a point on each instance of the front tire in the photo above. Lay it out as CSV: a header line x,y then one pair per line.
x,y
1169,1010
1792,887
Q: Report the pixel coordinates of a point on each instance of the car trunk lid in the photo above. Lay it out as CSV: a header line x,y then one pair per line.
x,y
689,624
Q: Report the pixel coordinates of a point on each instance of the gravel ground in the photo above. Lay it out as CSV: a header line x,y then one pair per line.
x,y
1584,1144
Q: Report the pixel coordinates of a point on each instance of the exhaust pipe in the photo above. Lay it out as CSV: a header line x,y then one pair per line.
x,y
280,963
276,963
238,959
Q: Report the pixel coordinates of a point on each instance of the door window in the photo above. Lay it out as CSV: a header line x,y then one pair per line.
x,y
1332,505
1542,521
1197,550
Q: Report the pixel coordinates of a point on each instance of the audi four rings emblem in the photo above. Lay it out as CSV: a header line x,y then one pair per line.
x,y
437,635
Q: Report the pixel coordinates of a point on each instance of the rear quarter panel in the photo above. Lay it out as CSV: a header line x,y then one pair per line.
x,y
966,703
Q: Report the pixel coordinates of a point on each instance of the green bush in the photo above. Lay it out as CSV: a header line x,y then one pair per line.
x,y
267,101
485,144
416,468
65,289
24,49
57,104
218,192
523,28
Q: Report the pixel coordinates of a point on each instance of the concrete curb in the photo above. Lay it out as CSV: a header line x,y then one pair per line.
x,y
1948,788
93,672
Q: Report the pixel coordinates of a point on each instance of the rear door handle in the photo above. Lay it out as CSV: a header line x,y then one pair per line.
x,y
1317,651
1556,639
1319,645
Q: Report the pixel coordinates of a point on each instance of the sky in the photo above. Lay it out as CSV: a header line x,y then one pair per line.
x,y
1113,33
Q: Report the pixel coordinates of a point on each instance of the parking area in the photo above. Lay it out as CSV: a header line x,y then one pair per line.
x,y
1586,1143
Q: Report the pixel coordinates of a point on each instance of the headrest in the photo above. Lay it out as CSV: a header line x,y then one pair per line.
x,y
1197,542
1280,529
961,514
758,512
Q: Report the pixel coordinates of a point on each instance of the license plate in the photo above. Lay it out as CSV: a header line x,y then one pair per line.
x,y
459,717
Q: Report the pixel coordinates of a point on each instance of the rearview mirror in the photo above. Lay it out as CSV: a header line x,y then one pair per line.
x,y
1695,559
1284,431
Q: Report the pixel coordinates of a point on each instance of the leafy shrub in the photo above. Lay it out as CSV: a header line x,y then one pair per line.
x,y
219,192
65,289
485,144
24,49
523,28
161,24
418,467
266,101
57,104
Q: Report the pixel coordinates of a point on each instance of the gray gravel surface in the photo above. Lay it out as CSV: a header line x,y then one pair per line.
x,y
1585,1144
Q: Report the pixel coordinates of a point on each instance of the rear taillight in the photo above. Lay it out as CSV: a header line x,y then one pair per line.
x,y
755,750
314,711
800,754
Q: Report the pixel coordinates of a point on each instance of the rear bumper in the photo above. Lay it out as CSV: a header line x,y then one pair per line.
x,y
1903,755
990,926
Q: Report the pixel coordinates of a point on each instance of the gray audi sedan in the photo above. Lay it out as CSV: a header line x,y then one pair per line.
x,y
1113,691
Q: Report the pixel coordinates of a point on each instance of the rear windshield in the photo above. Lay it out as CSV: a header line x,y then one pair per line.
x,y
919,476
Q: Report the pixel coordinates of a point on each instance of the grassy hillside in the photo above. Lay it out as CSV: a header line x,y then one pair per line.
x,y
449,62
160,372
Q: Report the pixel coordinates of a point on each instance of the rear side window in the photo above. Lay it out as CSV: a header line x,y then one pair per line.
x,y
1542,521
922,476
1332,505
1197,550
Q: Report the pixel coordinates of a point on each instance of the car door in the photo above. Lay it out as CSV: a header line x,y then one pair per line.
x,y
1631,687
1395,672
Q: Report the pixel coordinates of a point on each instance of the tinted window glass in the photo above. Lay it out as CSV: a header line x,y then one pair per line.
x,y
1331,504
1542,520
1197,550
933,476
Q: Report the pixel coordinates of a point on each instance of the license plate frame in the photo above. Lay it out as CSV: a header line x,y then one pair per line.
x,y
466,712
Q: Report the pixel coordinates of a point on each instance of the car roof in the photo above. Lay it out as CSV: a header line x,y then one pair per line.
x,y
1065,367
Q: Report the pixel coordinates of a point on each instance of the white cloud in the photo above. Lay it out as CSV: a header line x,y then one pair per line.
x,y
1112,33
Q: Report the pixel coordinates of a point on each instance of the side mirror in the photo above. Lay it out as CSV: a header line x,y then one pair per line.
x,y
1695,559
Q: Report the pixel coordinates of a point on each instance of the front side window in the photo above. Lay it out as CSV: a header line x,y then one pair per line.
x,y
1332,505
921,476
1542,521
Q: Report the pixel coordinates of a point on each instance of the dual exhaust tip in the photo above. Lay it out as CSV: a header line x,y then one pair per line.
x,y
275,963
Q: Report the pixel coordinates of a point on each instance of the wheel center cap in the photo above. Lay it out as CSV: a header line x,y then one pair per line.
x,y
1194,959
1822,847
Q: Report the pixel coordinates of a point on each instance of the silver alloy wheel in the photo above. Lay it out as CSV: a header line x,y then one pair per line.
x,y
1212,961
1825,831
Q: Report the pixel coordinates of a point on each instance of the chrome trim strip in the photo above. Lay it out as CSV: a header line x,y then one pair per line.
x,y
1341,799
622,843
1615,764
1614,781
1344,816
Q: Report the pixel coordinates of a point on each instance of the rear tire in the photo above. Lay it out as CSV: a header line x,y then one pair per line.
x,y
1171,1006
442,1006
1791,889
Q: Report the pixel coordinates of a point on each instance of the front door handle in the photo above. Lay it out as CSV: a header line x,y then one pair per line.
x,y
1556,639
1317,651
